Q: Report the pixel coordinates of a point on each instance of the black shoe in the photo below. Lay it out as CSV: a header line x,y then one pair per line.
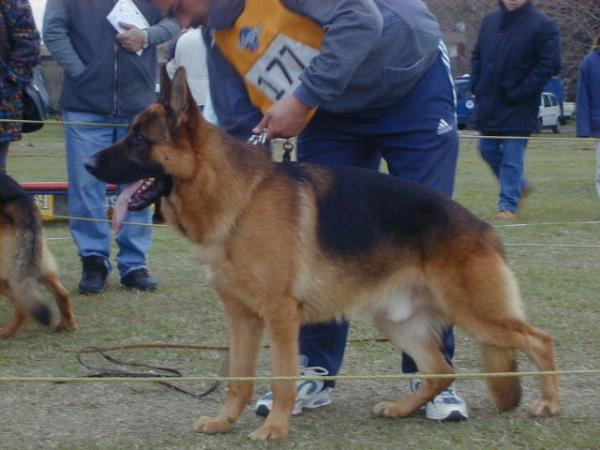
x,y
93,275
139,279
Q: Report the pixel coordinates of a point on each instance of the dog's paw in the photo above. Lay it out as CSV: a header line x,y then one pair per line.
x,y
390,409
7,334
66,325
545,408
212,425
269,431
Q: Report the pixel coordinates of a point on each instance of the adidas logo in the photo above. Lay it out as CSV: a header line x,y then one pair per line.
x,y
444,127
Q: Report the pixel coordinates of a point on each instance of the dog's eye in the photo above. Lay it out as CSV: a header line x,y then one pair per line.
x,y
138,138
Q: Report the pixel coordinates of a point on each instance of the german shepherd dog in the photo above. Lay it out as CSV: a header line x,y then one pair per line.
x,y
25,261
291,244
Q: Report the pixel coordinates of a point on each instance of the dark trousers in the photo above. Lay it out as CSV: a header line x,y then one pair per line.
x,y
3,155
418,139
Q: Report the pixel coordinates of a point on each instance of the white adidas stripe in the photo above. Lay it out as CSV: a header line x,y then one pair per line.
x,y
446,60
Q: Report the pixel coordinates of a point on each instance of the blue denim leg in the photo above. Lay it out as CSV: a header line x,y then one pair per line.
x,y
511,174
506,158
87,195
491,152
134,241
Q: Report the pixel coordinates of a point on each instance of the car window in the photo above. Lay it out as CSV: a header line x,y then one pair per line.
x,y
553,101
546,101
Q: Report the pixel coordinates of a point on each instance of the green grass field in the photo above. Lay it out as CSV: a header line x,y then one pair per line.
x,y
558,267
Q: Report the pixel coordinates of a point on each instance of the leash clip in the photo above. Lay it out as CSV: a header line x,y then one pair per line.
x,y
288,148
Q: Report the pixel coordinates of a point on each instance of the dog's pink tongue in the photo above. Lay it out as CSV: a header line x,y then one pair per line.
x,y
120,210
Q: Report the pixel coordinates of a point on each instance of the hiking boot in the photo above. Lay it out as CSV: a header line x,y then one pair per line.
x,y
310,394
447,406
505,216
93,275
139,279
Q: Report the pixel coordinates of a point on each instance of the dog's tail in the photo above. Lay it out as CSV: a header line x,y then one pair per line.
x,y
26,265
505,390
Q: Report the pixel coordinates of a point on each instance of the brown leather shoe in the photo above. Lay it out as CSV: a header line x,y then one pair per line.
x,y
506,216
527,191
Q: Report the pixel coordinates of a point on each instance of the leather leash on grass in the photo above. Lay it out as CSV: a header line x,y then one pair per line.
x,y
152,371
157,371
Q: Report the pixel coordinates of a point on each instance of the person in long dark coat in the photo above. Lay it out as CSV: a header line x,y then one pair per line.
x,y
517,53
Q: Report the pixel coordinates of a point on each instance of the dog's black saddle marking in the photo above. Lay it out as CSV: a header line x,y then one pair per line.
x,y
363,209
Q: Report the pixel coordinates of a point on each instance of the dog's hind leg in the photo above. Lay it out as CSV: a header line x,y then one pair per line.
x,y
63,301
498,339
488,308
18,319
282,319
245,331
418,339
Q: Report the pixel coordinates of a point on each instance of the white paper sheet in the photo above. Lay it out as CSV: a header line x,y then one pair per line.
x,y
127,11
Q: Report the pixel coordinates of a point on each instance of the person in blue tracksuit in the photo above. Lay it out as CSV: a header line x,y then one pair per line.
x,y
588,101
382,88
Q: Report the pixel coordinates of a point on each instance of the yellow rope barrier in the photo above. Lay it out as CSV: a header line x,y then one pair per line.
x,y
381,377
508,244
62,122
94,219
462,135
510,225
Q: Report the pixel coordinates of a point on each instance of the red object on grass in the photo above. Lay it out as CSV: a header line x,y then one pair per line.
x,y
55,187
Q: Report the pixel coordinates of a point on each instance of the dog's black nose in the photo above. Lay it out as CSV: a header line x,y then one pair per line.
x,y
91,164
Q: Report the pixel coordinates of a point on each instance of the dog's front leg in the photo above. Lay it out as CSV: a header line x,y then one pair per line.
x,y
282,319
245,331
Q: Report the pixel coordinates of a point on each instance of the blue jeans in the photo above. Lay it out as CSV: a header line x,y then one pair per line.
x,y
506,158
87,195
415,146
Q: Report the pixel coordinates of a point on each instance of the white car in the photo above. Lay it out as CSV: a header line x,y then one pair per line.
x,y
549,113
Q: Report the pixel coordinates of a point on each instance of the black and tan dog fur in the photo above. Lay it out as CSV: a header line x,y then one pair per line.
x,y
290,244
26,262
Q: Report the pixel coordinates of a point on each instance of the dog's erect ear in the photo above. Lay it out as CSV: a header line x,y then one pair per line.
x,y
179,96
165,84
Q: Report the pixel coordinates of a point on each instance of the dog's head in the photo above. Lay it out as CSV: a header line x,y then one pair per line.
x,y
161,145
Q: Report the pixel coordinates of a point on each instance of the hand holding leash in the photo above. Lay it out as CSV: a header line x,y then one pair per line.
x,y
285,119
261,138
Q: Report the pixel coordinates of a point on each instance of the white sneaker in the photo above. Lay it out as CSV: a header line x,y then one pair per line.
x,y
447,405
310,394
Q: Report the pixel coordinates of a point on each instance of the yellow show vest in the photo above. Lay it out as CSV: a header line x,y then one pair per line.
x,y
270,46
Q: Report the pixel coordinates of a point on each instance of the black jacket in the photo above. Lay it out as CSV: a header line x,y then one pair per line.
x,y
516,55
